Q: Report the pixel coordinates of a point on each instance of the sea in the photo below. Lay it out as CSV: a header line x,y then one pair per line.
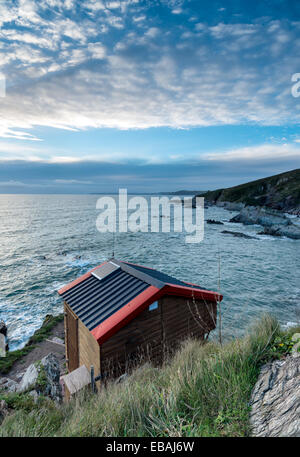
x,y
47,241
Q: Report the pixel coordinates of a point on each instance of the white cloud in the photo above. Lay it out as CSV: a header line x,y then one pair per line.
x,y
76,74
71,181
256,153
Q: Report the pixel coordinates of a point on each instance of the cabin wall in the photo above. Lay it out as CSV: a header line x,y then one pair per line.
x,y
183,317
154,334
71,338
89,349
81,346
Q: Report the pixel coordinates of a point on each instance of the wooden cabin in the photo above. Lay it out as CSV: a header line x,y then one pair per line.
x,y
119,312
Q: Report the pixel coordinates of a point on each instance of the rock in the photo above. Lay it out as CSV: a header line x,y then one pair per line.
x,y
29,379
231,206
43,377
290,231
34,395
275,400
9,385
239,235
3,328
261,216
2,345
19,376
57,340
296,337
296,350
212,221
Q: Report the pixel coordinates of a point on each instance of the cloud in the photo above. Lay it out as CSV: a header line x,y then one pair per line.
x,y
96,64
264,152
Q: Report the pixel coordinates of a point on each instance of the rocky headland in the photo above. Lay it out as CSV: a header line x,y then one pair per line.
x,y
266,202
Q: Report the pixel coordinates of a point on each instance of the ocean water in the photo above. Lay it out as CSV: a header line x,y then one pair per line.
x,y
47,241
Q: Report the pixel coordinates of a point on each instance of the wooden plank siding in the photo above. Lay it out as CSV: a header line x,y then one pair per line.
x,y
153,335
81,346
89,349
71,336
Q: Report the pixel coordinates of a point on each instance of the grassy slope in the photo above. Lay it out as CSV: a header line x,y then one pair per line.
x,y
7,362
203,391
275,191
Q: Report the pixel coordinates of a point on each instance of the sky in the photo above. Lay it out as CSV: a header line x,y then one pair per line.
x,y
151,96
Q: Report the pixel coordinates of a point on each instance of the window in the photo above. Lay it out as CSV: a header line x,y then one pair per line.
x,y
153,306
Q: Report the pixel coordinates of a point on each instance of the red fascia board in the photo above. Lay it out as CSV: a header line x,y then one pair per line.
x,y
78,280
115,322
174,289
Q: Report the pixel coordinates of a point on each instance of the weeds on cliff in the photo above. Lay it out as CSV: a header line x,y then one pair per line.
x,y
41,334
203,390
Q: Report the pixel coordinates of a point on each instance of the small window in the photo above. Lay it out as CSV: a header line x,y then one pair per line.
x,y
153,306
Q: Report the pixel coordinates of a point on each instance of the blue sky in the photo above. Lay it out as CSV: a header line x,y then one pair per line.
x,y
150,95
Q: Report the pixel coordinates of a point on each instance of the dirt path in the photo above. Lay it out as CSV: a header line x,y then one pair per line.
x,y
41,350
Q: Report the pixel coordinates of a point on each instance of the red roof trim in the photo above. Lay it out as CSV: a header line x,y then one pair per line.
x,y
119,319
78,280
174,289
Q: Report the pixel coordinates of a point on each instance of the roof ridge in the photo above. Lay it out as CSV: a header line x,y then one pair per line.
x,y
140,275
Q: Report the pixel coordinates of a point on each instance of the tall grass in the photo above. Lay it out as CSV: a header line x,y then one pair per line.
x,y
203,390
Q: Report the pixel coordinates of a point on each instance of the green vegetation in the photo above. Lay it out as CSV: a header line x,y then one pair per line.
x,y
41,334
285,343
204,390
279,192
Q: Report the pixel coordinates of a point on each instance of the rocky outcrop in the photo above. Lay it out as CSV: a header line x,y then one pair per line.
x,y
274,222
8,385
3,339
290,231
239,235
275,400
261,216
43,377
3,328
212,221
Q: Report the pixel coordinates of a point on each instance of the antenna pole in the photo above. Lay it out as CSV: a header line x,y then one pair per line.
x,y
113,249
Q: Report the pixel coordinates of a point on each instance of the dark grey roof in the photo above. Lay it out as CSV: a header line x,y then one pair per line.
x,y
110,287
94,300
163,277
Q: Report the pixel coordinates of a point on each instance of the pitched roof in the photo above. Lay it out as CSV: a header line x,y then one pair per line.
x,y
109,296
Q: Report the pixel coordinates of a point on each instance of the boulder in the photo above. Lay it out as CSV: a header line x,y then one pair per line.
x,y
9,385
261,216
43,377
290,231
275,400
3,328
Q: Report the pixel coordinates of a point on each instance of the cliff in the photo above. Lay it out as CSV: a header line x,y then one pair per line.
x,y
280,192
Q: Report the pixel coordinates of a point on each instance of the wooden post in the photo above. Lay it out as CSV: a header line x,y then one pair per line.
x,y
93,379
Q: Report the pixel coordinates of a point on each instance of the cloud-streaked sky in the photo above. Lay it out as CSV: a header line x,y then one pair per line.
x,y
149,95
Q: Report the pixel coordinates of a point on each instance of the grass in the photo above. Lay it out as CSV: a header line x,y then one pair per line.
x,y
41,334
204,390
